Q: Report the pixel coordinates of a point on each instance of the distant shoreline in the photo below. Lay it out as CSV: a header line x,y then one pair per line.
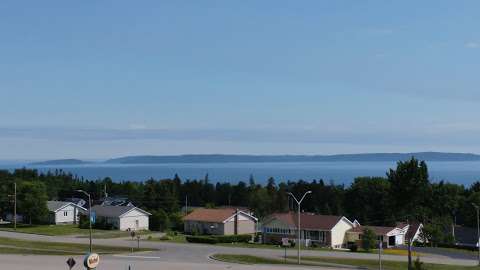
x,y
218,158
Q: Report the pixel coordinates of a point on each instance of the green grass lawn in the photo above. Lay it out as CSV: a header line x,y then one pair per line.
x,y
248,259
67,229
25,251
387,265
18,246
106,234
181,238
46,229
318,261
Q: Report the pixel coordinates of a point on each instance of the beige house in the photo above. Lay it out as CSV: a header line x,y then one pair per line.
x,y
123,218
219,222
389,236
322,230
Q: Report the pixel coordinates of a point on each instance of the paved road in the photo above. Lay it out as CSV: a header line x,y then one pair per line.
x,y
18,262
199,254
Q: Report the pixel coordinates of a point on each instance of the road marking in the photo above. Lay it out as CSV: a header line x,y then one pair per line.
x,y
136,257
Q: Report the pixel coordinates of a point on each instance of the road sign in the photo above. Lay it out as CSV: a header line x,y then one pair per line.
x,y
285,242
71,263
91,260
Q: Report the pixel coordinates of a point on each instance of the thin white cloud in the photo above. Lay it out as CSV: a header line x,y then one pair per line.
x,y
472,45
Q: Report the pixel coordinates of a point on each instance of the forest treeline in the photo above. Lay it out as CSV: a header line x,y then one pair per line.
x,y
405,193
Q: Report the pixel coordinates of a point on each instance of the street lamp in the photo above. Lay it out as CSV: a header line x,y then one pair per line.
x,y
89,215
298,227
478,231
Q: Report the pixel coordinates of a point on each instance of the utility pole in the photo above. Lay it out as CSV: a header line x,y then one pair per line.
x,y
13,197
478,230
380,255
299,227
15,206
186,205
89,215
409,243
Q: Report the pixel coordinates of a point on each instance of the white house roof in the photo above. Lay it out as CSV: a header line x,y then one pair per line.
x,y
221,215
115,211
54,206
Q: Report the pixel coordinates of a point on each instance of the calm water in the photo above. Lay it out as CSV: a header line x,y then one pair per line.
x,y
339,172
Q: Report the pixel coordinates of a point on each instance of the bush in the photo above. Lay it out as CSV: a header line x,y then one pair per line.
x,y
239,238
159,221
201,239
369,240
165,238
353,247
213,239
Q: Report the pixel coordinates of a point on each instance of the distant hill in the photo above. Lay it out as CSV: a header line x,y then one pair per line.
x,y
61,162
428,156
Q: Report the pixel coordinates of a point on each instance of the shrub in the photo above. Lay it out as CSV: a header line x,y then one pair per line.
x,y
369,240
240,238
159,221
165,238
213,239
201,239
353,248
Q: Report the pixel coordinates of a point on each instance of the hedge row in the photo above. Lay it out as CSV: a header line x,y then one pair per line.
x,y
213,239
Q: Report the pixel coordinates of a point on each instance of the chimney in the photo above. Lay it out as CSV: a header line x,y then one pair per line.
x,y
235,226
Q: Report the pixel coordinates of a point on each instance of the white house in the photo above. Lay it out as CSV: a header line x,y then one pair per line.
x,y
123,218
320,230
64,212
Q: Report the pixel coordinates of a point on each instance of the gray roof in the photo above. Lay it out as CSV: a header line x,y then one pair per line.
x,y
55,205
113,211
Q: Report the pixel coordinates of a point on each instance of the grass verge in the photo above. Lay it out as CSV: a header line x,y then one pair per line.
x,y
46,229
67,229
53,248
387,265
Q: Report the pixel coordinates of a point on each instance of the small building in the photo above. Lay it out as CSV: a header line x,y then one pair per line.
x,y
389,236
223,221
61,212
123,218
321,230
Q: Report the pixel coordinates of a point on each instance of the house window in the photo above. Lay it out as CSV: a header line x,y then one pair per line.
x,y
65,213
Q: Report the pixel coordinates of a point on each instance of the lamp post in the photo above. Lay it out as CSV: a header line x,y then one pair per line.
x,y
299,202
478,230
89,215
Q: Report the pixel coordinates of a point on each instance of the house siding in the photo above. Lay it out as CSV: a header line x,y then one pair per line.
x,y
244,227
338,233
65,215
133,220
214,228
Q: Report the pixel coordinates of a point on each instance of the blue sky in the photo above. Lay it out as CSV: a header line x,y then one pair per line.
x,y
96,79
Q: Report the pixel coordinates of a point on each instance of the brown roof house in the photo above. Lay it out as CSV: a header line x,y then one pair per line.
x,y
315,229
223,221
